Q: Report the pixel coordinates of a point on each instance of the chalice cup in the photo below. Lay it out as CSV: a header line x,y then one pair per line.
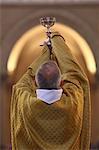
x,y
47,22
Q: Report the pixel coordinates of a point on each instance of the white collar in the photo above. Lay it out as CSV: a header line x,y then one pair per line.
x,y
49,96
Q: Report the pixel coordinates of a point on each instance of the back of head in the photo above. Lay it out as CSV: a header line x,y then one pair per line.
x,y
48,76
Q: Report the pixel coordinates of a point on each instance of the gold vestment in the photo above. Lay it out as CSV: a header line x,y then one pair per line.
x,y
63,125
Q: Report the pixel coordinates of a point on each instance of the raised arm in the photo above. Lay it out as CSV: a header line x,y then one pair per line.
x,y
65,59
27,79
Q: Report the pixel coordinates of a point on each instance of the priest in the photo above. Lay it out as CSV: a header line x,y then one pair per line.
x,y
50,105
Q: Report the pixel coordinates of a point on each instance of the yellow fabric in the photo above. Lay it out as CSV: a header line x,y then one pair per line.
x,y
63,125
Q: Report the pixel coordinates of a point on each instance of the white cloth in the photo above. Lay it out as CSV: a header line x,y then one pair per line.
x,y
49,96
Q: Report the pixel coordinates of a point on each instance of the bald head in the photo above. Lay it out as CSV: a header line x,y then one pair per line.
x,y
48,76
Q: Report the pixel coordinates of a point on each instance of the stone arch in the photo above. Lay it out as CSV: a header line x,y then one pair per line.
x,y
62,16
28,46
